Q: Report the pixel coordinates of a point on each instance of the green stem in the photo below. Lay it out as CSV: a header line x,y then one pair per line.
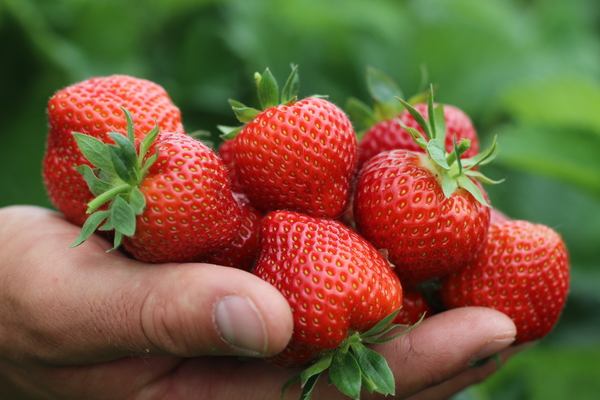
x,y
106,196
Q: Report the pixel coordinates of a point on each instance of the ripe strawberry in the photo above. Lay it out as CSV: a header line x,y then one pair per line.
x,y
168,201
297,155
241,253
424,208
337,284
384,124
93,107
522,270
414,307
225,151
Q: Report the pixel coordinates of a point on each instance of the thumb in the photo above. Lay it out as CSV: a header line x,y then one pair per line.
x,y
203,309
85,305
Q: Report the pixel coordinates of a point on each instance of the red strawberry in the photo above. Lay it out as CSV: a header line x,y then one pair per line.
x,y
227,155
337,284
522,270
414,307
384,124
93,107
424,208
168,201
299,155
241,253
389,134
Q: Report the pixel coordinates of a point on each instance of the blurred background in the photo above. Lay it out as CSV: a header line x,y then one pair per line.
x,y
527,71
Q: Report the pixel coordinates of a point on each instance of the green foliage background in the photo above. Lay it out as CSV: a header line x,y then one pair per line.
x,y
525,70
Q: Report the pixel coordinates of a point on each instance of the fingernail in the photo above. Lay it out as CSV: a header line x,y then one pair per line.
x,y
491,348
241,325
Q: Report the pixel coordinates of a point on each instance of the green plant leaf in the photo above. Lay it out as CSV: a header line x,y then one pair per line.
x,y
375,368
96,185
382,325
230,132
121,166
345,374
268,90
360,113
291,87
122,216
95,151
418,118
127,148
466,183
89,227
137,201
146,144
437,151
319,366
384,92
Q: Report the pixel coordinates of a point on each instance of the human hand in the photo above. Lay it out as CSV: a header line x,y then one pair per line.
x,y
82,323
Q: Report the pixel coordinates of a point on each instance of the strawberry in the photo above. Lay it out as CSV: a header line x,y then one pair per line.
x,y
414,307
227,155
384,124
93,107
522,270
241,253
295,154
336,283
169,200
426,209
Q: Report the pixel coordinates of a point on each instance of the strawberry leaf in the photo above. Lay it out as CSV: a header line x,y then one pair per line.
x,y
290,89
96,185
90,226
137,201
345,374
418,118
122,216
437,151
230,132
268,90
360,113
374,368
466,183
95,151
121,166
243,113
381,325
384,92
319,366
127,149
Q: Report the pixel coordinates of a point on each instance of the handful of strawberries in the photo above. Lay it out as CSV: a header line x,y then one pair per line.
x,y
353,229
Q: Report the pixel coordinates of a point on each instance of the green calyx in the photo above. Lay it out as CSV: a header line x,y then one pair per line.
x,y
268,96
352,366
119,169
454,171
384,93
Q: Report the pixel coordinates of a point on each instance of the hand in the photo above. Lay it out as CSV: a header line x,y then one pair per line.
x,y
83,323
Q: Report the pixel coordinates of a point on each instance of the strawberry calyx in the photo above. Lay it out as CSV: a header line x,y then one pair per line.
x,y
352,366
453,172
119,170
268,96
384,92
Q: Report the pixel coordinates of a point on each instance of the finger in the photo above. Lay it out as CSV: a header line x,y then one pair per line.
x,y
84,305
445,345
442,347
471,376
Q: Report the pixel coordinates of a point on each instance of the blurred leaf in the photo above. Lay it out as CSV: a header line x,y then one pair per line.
x,y
570,102
567,154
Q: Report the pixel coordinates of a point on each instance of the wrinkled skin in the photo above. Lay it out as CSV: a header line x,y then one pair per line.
x,y
84,323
